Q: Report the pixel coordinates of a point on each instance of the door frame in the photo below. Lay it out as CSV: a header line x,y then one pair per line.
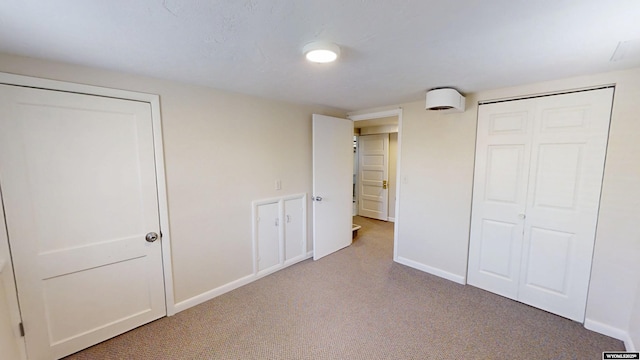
x,y
158,150
378,115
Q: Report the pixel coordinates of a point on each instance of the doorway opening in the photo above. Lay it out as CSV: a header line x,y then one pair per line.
x,y
376,162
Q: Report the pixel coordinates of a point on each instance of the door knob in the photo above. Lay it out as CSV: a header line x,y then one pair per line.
x,y
151,237
316,198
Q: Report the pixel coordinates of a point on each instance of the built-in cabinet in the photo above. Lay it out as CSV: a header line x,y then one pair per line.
x,y
538,175
279,233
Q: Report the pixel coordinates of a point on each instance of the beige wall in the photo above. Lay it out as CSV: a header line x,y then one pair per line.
x,y
222,151
437,163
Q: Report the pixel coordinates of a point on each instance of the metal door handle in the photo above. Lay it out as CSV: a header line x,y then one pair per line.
x,y
151,237
316,198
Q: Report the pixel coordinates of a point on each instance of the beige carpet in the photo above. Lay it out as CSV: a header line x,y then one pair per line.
x,y
357,304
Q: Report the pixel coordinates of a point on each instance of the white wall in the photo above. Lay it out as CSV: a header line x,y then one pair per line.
x,y
437,152
437,172
222,151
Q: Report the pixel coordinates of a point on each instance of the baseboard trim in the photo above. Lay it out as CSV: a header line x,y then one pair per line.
x,y
610,331
299,259
208,295
431,270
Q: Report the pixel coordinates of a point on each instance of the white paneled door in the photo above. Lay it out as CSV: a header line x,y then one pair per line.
x,y
539,168
332,184
79,189
373,166
500,192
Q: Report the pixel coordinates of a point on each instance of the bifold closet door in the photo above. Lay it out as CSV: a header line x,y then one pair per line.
x,y
500,195
545,254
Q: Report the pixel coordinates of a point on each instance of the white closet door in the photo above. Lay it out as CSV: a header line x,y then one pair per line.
x,y
567,164
79,192
499,195
539,167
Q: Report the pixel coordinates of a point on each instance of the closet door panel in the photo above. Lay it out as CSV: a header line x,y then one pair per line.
x,y
567,163
499,196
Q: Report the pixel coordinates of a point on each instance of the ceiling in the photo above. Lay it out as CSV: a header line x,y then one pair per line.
x,y
392,51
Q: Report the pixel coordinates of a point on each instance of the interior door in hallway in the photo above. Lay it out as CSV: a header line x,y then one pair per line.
x,y
332,184
373,166
79,190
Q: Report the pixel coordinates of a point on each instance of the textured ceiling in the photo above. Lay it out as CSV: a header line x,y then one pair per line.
x,y
392,51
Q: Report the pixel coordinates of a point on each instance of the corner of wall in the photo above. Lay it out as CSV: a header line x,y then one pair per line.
x,y
610,331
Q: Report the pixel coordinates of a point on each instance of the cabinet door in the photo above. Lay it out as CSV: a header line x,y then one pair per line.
x,y
268,236
295,238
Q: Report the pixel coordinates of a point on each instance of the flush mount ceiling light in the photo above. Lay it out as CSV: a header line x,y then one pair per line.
x,y
321,52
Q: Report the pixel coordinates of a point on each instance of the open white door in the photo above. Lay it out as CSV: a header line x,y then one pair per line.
x,y
79,192
373,166
332,184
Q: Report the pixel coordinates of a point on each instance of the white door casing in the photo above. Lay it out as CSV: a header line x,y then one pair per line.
x,y
332,184
373,167
79,190
539,250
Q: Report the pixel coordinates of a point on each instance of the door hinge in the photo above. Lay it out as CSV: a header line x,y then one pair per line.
x,y
21,329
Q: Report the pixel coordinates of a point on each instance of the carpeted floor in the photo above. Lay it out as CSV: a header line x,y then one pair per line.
x,y
357,304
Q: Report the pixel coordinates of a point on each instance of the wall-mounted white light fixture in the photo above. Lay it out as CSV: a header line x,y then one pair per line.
x,y
447,99
321,52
